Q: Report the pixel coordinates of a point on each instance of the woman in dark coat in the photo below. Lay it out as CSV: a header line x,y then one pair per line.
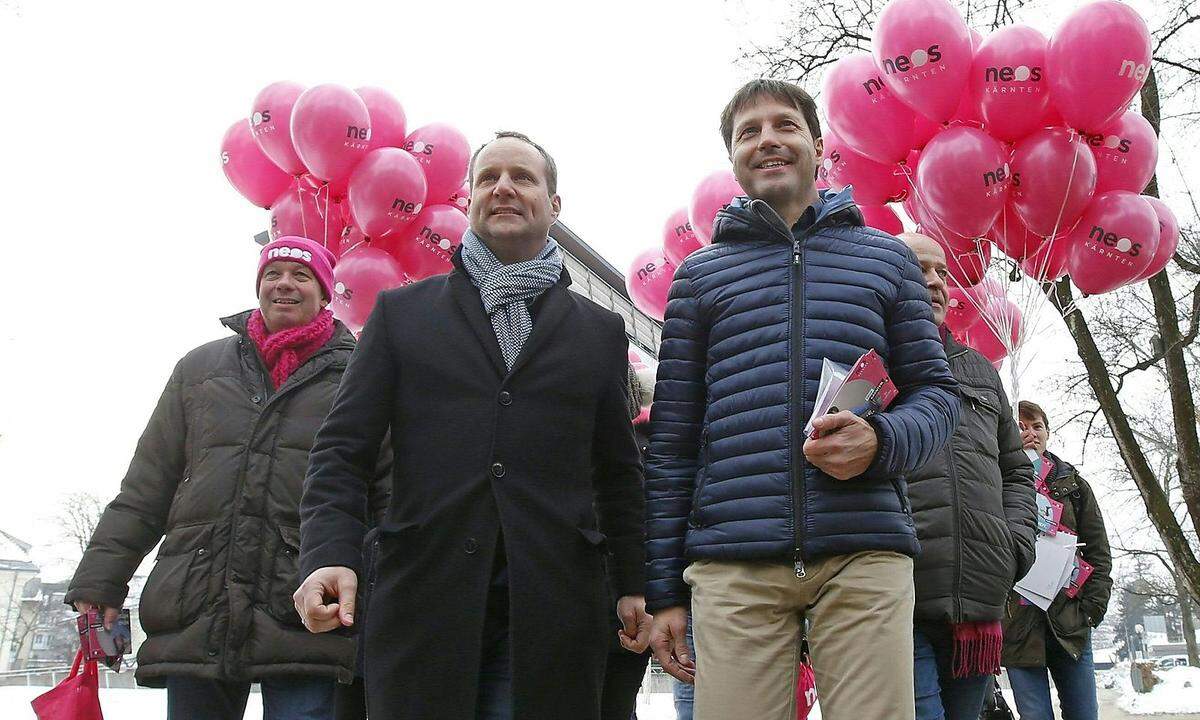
x,y
218,476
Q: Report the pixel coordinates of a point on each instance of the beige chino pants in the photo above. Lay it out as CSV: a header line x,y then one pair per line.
x,y
747,619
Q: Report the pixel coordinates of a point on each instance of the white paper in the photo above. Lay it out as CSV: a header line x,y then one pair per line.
x,y
1055,556
832,377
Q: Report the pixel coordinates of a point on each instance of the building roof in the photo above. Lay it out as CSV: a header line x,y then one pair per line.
x,y
14,554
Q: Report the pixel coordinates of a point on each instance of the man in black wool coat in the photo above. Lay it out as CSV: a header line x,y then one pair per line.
x,y
516,479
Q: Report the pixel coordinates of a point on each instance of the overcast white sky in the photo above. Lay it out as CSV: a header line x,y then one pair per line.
x,y
124,243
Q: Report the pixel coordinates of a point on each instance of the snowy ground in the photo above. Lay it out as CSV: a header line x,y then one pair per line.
x,y
147,704
1179,691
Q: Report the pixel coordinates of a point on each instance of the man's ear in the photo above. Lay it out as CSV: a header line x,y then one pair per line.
x,y
819,145
555,206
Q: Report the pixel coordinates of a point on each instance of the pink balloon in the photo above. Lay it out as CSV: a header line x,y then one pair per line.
x,y
962,308
967,261
388,121
300,212
425,247
679,240
963,178
1113,243
331,128
882,217
443,153
387,191
1126,153
1096,62
1008,82
1049,262
865,113
248,169
713,193
1012,237
649,280
358,278
351,238
1000,314
923,48
923,131
461,198
1054,176
874,183
1168,238
271,123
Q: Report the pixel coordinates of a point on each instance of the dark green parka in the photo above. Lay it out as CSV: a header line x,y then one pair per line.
x,y
218,475
1026,627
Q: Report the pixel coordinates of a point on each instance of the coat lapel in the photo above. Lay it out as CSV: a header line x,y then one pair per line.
x,y
554,308
467,297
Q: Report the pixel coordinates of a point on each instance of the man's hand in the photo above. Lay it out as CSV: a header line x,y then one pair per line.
x,y
635,635
846,446
318,616
668,638
110,614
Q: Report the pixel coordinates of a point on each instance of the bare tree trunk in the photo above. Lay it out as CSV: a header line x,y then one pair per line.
x,y
1158,506
1189,622
1183,406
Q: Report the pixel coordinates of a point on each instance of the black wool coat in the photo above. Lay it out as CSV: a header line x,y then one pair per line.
x,y
541,458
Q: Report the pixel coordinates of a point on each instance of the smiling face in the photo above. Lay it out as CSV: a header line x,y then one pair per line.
x,y
775,155
933,266
511,204
289,295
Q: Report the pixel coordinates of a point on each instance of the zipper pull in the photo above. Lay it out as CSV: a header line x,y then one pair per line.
x,y
799,566
795,252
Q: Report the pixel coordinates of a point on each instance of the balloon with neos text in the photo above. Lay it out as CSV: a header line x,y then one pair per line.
x,y
679,240
271,123
1008,82
1054,176
425,247
387,192
874,183
1097,61
1126,153
865,113
248,168
649,281
443,153
1113,243
963,179
389,125
331,129
924,51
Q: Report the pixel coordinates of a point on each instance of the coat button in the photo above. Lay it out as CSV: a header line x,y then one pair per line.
x,y
212,653
505,397
497,470
256,399
201,551
471,546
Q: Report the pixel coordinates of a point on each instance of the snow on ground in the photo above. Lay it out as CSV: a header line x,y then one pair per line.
x,y
1179,691
151,704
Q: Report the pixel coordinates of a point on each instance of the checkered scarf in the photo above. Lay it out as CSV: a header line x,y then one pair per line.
x,y
507,290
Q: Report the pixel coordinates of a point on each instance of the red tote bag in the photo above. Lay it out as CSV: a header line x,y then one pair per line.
x,y
76,698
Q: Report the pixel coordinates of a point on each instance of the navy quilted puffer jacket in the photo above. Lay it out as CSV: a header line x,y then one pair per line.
x,y
749,321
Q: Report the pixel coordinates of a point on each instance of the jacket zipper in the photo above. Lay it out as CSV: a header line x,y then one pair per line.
x,y
795,363
262,412
954,489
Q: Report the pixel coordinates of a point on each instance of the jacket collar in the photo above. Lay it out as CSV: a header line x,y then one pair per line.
x,y
1066,477
752,219
555,304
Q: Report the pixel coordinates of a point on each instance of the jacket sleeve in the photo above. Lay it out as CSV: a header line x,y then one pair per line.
x,y
923,416
618,477
136,519
1016,472
344,460
676,419
1094,595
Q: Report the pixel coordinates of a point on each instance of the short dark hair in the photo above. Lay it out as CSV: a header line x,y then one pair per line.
x,y
1031,411
551,168
782,91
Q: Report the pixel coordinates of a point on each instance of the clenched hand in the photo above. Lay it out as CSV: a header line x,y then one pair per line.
x,y
846,447
328,583
635,633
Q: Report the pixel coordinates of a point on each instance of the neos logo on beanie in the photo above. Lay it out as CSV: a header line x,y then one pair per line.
x,y
289,252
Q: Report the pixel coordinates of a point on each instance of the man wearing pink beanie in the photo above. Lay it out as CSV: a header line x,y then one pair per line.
x,y
217,476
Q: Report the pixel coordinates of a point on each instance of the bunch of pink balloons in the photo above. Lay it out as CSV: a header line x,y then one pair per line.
x,y
341,167
1011,140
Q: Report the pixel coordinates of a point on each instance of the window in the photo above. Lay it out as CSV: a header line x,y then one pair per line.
x,y
41,641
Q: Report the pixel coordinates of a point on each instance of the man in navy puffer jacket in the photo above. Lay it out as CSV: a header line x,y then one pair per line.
x,y
771,526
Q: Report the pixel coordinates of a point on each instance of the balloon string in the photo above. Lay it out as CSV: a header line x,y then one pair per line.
x,y
300,199
1043,263
325,239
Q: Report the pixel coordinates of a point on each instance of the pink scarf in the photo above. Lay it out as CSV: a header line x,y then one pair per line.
x,y
977,647
286,350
